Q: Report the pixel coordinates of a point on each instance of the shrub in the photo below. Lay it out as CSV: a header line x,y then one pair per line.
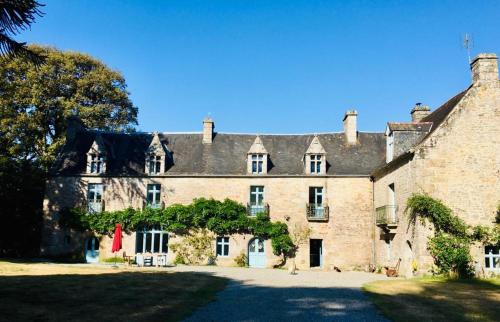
x,y
196,248
451,255
241,260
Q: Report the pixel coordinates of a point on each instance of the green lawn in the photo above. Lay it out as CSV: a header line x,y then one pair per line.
x,y
55,292
437,299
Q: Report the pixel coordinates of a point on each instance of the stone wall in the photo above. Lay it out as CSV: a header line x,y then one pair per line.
x,y
458,163
347,236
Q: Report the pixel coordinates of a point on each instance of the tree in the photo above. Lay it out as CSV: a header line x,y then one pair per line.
x,y
16,16
35,101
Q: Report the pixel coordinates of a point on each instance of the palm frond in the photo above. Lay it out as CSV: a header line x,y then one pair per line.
x,y
10,47
17,15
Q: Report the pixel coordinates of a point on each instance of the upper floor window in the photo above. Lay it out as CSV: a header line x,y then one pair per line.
x,y
94,197
257,163
315,165
316,208
155,162
96,163
154,195
256,200
222,246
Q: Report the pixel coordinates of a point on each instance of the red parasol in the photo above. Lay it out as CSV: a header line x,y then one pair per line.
x,y
117,239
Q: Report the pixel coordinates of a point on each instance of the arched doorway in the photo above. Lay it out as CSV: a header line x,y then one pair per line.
x,y
92,250
257,253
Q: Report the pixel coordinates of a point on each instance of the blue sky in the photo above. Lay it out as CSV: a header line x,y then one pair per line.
x,y
276,66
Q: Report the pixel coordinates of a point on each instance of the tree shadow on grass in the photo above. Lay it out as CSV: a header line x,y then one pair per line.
x,y
437,300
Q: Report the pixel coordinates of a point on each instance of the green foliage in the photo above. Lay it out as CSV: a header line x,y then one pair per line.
x,y
196,248
36,100
451,255
220,217
426,207
241,260
450,247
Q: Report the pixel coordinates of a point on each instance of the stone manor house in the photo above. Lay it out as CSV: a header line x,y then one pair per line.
x,y
350,187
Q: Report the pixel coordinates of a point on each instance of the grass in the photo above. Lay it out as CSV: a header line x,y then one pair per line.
x,y
64,292
437,299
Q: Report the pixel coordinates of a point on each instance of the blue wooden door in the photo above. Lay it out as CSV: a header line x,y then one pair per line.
x,y
92,250
256,253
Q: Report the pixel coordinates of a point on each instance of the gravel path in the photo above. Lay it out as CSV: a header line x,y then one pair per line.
x,y
274,295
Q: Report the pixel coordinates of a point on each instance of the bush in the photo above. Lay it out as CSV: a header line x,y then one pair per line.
x,y
451,255
241,260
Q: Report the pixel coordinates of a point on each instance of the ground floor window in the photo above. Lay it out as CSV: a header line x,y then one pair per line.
x,y
222,246
153,240
492,257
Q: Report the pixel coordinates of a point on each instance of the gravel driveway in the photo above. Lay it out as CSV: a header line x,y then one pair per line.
x,y
274,295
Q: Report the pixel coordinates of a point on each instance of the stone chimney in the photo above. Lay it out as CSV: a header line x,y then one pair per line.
x,y
350,126
208,130
484,69
419,111
74,125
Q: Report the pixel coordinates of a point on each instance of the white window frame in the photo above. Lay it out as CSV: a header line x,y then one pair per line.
x,y
155,190
319,193
315,163
155,233
155,164
97,161
223,242
258,206
94,197
257,164
492,258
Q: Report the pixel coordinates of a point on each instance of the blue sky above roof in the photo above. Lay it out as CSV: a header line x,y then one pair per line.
x,y
276,66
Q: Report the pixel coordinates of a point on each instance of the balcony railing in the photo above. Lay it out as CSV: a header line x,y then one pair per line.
x,y
95,206
387,215
254,209
317,212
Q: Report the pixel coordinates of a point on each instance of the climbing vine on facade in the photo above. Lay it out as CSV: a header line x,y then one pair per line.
x,y
450,245
220,217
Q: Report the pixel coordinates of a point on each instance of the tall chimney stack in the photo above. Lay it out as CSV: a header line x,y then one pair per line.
x,y
350,126
419,111
484,69
208,130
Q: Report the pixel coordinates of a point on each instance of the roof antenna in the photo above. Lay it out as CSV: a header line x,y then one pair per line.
x,y
468,44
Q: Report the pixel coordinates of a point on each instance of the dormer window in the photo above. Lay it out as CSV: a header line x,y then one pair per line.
x,y
155,157
257,161
316,161
257,158
155,162
315,158
96,157
96,163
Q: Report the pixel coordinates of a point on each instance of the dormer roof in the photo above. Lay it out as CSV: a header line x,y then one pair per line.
x,y
257,147
97,146
315,147
156,147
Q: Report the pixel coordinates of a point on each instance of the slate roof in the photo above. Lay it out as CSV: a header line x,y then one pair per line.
x,y
410,126
227,155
